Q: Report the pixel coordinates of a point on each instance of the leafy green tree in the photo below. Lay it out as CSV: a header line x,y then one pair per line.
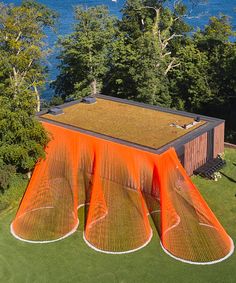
x,y
144,52
217,40
206,79
22,138
150,72
119,80
56,100
190,82
22,49
85,53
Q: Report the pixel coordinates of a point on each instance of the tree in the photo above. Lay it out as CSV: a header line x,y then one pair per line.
x,y
22,137
85,53
22,50
190,82
119,80
205,82
217,41
144,52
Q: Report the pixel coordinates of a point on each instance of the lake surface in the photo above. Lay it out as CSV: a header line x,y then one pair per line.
x,y
198,18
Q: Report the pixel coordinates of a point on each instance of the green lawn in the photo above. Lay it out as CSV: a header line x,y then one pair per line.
x,y
71,260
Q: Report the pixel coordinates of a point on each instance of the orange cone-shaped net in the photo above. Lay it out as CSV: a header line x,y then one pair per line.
x,y
48,210
123,188
189,229
117,219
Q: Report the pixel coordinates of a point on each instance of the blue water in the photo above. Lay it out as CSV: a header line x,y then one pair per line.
x,y
198,18
201,13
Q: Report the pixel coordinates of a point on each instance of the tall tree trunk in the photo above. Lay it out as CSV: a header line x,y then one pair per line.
x,y
37,98
94,87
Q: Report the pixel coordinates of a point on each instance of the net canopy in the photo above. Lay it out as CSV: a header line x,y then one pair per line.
x,y
123,188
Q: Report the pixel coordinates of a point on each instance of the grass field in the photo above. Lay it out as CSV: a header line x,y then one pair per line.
x,y
71,260
127,122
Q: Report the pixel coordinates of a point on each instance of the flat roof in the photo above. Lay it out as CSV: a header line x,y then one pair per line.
x,y
126,121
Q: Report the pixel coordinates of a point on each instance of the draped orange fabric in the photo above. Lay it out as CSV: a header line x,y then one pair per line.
x,y
124,188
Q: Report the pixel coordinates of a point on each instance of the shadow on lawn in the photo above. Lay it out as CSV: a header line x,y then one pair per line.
x,y
229,178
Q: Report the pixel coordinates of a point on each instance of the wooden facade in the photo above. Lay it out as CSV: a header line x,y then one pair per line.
x,y
203,148
219,139
195,153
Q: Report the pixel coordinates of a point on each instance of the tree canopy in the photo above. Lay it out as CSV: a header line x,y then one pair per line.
x,y
205,82
85,53
22,72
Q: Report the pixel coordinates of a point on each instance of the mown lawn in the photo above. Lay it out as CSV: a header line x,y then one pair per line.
x,y
71,260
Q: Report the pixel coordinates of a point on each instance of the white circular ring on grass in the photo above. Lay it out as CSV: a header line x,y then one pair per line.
x,y
153,212
109,252
196,262
118,253
83,204
46,241
201,263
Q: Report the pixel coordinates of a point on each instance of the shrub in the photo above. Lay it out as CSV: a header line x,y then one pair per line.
x,y
6,172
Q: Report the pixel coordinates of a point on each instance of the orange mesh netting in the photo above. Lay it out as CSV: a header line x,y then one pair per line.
x,y
48,210
190,230
122,186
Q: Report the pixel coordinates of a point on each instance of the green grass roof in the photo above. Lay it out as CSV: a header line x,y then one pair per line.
x,y
131,123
